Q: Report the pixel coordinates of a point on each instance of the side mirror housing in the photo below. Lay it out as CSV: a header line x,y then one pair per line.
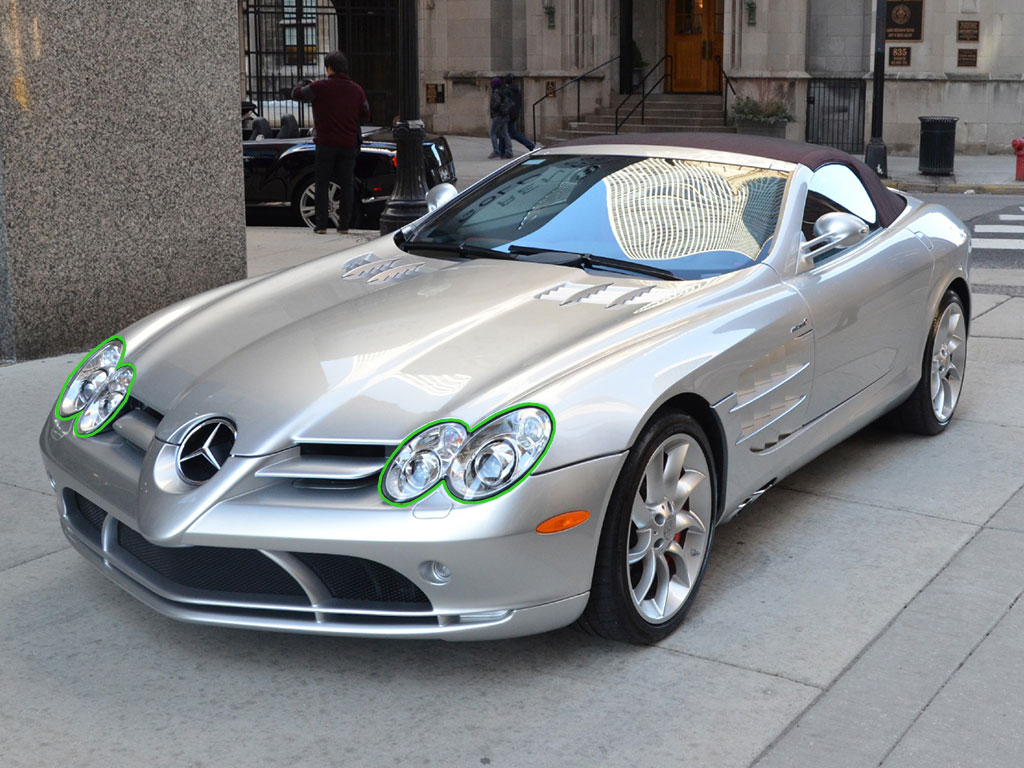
x,y
439,195
833,230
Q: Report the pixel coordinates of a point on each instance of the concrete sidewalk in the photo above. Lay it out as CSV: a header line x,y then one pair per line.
x,y
865,612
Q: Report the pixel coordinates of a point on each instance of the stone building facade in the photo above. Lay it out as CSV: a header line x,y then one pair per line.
x,y
795,49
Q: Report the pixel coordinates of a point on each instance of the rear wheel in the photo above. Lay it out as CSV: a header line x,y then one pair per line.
x,y
930,408
304,205
657,535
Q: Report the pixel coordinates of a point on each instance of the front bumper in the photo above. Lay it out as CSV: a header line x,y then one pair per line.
x,y
506,580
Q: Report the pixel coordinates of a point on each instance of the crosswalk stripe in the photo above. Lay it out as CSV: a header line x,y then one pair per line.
x,y
995,244
1010,217
1000,229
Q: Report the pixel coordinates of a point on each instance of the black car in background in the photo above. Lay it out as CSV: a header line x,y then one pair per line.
x,y
279,171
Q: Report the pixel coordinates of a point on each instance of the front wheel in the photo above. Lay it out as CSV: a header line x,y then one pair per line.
x,y
656,536
930,408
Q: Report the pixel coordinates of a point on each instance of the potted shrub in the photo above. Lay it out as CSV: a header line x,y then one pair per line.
x,y
765,116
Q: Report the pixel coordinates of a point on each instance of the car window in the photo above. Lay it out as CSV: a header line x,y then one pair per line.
x,y
693,218
835,187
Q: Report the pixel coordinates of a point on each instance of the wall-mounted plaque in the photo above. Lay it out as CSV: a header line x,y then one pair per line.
x,y
549,88
904,20
899,56
967,57
968,31
435,93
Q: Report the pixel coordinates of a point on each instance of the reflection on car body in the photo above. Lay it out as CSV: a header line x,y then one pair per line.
x,y
532,406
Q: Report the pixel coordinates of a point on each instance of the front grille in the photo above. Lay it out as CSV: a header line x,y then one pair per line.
x,y
93,514
352,578
248,572
214,569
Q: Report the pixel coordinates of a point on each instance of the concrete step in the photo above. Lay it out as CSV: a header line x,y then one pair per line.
x,y
661,110
601,122
580,133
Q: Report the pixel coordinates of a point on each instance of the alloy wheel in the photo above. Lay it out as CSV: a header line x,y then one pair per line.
x,y
669,527
307,205
949,358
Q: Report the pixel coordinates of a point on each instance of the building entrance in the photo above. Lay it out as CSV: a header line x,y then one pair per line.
x,y
696,29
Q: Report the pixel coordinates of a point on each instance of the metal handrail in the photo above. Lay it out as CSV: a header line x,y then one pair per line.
x,y
576,80
728,82
645,93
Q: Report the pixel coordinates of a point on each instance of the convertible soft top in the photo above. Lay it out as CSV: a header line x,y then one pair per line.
x,y
888,203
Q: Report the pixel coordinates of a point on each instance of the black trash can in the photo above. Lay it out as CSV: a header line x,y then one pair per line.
x,y
938,145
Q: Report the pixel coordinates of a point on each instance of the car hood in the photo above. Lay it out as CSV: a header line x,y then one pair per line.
x,y
367,345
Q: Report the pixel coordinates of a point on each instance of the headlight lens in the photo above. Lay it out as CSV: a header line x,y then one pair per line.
x,y
106,402
90,378
500,453
475,465
97,389
421,462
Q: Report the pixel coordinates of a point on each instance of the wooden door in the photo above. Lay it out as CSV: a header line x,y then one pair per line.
x,y
695,34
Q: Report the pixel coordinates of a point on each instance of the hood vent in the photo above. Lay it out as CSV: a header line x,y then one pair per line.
x,y
377,269
611,296
607,295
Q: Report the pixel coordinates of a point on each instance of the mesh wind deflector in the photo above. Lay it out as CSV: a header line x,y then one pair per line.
x,y
214,569
352,578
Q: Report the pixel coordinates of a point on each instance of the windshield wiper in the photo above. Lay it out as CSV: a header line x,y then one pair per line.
x,y
596,262
459,249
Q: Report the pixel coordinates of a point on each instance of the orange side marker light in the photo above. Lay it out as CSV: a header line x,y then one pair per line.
x,y
564,521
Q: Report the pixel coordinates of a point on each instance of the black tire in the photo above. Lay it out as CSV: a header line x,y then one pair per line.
x,y
300,190
613,611
919,413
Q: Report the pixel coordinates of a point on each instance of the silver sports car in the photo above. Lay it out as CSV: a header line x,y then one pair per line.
x,y
531,407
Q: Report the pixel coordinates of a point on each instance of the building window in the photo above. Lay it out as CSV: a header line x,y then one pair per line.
x,y
298,24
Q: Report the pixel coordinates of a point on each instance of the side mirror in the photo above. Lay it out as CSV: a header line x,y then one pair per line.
x,y
833,230
439,195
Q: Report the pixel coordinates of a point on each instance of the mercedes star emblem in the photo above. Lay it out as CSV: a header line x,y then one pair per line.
x,y
205,449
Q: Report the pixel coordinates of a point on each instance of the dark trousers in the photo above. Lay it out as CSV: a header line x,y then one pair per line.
x,y
335,164
514,133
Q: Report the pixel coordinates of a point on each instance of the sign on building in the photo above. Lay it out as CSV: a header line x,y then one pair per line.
x,y
904,21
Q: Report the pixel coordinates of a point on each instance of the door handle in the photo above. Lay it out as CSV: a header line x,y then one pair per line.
x,y
703,49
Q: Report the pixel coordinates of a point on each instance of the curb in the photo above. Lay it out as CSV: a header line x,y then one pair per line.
x,y
986,189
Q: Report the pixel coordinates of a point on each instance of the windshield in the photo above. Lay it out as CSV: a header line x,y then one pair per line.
x,y
695,219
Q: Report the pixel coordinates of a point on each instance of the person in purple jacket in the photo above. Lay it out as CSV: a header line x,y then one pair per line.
x,y
339,107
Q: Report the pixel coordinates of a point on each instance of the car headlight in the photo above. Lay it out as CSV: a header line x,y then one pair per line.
x,y
474,464
500,453
95,391
88,379
421,462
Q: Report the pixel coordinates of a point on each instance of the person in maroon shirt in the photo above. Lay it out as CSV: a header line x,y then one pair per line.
x,y
339,107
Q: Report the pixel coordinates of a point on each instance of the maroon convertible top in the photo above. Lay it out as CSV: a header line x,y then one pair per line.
x,y
888,203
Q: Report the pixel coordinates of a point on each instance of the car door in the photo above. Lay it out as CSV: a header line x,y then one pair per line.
x,y
260,160
864,300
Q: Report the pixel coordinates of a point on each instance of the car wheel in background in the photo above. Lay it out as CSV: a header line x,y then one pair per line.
x,y
930,408
304,203
656,536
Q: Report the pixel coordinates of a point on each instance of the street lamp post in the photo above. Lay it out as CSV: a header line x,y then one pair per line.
x,y
876,155
408,201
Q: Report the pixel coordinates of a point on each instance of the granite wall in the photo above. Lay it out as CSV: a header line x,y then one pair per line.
x,y
120,165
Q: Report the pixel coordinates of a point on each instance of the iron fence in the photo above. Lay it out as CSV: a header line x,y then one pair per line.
x,y
835,112
287,40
